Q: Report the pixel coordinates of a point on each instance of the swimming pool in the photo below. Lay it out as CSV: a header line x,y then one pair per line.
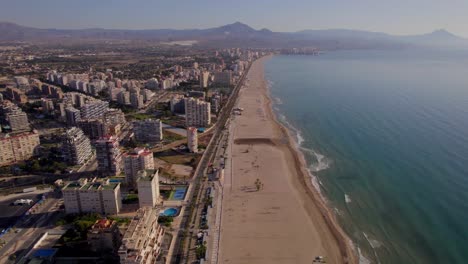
x,y
170,212
179,193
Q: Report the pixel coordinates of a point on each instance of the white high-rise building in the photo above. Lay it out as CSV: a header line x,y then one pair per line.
x,y
94,109
223,78
76,147
18,147
140,159
197,113
72,115
204,76
94,196
141,242
148,188
192,139
108,155
148,130
17,119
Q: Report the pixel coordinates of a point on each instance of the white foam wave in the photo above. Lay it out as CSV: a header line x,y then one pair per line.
x,y
372,242
337,212
278,101
362,259
321,163
347,198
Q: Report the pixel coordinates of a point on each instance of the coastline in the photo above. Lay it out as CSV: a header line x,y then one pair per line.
x,y
305,179
287,221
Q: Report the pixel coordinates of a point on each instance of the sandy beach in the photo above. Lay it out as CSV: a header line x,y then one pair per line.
x,y
285,221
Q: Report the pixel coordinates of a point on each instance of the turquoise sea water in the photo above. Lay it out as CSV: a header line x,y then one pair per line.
x,y
386,135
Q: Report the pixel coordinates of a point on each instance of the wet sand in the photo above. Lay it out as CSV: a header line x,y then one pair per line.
x,y
285,221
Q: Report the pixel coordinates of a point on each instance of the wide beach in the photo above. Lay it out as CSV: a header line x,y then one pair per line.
x,y
285,221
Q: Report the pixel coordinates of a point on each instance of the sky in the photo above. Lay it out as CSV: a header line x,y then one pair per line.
x,y
400,17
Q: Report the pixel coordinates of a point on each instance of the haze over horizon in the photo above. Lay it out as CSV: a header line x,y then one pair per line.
x,y
397,17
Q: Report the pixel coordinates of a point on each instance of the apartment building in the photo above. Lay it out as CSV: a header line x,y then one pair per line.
x,y
141,242
139,159
148,130
76,147
108,155
17,147
92,196
197,113
192,139
148,188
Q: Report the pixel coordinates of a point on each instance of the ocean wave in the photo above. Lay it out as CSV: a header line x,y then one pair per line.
x,y
347,198
321,162
278,101
372,242
362,259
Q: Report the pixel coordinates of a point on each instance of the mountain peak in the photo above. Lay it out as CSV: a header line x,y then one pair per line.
x,y
442,33
237,27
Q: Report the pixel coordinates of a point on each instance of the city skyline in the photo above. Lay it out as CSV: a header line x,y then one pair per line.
x,y
396,17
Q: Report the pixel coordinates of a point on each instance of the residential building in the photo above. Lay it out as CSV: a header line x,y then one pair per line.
x,y
141,242
177,104
148,130
76,147
47,106
139,159
93,128
114,117
108,155
17,119
94,109
136,100
18,147
192,139
148,188
104,236
223,78
197,113
72,115
92,196
215,103
204,76
15,94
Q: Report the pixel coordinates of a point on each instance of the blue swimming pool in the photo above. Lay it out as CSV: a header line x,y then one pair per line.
x,y
170,212
179,193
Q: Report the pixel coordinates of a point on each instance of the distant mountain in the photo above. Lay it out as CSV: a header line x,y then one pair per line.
x,y
233,35
437,37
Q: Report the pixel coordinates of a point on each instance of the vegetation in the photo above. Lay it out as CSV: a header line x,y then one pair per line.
x,y
165,220
200,251
80,225
174,157
121,220
130,199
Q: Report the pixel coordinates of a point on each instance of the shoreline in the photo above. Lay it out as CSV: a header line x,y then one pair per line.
x,y
304,176
286,220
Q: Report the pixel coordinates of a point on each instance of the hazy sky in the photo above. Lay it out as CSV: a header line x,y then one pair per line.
x,y
391,16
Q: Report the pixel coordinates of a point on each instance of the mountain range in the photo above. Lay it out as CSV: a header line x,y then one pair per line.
x,y
234,35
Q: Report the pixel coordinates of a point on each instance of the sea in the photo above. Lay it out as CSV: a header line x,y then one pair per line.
x,y
385,135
